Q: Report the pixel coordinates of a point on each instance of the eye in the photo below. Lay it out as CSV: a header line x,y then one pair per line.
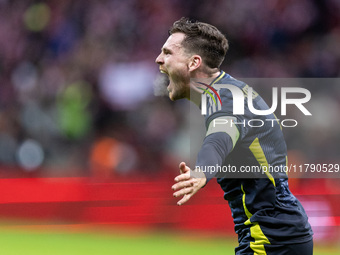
x,y
166,52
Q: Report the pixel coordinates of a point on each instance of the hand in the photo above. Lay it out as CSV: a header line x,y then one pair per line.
x,y
188,183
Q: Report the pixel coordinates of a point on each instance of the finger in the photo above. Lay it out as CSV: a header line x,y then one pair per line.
x,y
184,199
184,191
183,168
182,177
183,184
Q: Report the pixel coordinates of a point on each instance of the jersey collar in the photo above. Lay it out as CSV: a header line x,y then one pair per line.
x,y
222,74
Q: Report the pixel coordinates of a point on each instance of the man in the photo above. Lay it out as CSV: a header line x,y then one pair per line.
x,y
268,218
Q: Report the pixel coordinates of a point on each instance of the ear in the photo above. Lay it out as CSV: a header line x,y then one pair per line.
x,y
195,62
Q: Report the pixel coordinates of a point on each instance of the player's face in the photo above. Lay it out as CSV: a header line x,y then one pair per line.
x,y
174,62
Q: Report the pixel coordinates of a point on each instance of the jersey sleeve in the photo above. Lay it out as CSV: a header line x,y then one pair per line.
x,y
223,116
216,147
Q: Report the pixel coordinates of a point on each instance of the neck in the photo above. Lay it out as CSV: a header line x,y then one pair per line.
x,y
195,94
209,75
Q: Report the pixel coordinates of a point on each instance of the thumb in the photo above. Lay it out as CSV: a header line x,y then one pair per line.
x,y
183,168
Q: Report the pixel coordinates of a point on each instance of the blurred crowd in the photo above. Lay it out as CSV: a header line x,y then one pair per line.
x,y
80,93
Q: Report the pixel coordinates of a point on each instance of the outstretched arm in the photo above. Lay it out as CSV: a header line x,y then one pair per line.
x,y
214,150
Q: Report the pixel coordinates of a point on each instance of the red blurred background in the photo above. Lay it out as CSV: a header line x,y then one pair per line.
x,y
141,203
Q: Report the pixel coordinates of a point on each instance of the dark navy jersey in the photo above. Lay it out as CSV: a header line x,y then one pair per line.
x,y
263,208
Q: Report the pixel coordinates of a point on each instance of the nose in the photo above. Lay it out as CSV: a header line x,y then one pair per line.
x,y
159,59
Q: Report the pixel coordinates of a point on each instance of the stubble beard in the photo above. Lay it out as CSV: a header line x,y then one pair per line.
x,y
179,86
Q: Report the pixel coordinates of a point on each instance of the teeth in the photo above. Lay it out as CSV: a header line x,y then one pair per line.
x,y
162,71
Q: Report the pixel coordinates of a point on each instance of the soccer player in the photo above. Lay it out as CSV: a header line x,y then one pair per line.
x,y
268,218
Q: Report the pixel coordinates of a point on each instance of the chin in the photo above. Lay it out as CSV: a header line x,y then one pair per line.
x,y
177,91
172,96
176,96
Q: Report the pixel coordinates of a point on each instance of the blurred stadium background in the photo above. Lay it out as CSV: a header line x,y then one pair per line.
x,y
89,145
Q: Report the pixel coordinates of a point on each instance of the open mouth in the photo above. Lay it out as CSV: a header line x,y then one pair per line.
x,y
163,71
167,78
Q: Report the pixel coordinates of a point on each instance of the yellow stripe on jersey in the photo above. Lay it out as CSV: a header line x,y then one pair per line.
x,y
258,153
244,205
218,78
260,239
255,231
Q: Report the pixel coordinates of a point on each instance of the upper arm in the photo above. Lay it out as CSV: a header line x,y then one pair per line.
x,y
226,125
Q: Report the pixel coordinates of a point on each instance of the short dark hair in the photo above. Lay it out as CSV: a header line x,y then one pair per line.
x,y
202,39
